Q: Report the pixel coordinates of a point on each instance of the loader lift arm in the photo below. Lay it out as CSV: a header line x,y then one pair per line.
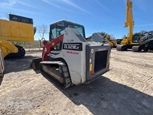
x,y
49,45
47,48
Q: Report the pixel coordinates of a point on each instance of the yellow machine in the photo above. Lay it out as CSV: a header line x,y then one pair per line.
x,y
1,64
110,41
19,29
132,39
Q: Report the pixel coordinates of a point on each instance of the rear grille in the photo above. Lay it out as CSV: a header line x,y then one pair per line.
x,y
100,60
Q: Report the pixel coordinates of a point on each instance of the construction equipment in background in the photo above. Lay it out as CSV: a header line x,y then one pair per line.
x,y
106,36
137,41
130,40
16,29
112,42
146,42
69,58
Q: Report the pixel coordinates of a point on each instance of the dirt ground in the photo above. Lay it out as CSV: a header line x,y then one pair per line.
x,y
127,89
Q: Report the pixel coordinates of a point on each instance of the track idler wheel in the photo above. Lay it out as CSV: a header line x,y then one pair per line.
x,y
136,48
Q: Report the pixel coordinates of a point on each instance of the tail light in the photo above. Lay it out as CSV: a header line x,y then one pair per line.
x,y
92,73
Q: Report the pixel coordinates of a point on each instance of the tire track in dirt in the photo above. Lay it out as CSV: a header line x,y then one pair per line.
x,y
131,71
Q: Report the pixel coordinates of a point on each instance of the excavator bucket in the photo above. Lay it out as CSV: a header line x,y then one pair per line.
x,y
35,63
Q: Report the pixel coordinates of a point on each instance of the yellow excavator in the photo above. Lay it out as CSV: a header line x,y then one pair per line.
x,y
112,42
16,29
132,39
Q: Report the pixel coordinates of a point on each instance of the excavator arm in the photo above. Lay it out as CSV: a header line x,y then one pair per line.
x,y
49,45
129,20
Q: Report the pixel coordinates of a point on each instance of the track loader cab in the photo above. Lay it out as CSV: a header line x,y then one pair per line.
x,y
72,60
58,28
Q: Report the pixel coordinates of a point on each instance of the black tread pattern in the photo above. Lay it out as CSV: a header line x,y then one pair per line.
x,y
63,69
65,74
18,55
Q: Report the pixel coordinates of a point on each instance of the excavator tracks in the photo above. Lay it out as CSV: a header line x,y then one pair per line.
x,y
136,48
18,55
121,48
57,70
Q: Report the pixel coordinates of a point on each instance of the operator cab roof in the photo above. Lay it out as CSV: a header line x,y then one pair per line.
x,y
64,23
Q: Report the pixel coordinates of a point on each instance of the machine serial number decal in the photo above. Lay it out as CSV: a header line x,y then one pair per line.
x,y
72,46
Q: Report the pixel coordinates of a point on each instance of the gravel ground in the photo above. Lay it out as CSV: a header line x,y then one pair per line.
x,y
127,89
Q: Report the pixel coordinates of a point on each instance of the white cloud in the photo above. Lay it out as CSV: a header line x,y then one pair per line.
x,y
7,3
52,4
10,3
74,5
25,4
57,6
103,6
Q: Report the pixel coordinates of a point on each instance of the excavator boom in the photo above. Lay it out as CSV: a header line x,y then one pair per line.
x,y
129,20
131,40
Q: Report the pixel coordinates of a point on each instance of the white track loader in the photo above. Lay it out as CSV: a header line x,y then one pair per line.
x,y
69,58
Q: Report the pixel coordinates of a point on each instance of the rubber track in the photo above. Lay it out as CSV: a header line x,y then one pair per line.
x,y
66,76
64,73
18,55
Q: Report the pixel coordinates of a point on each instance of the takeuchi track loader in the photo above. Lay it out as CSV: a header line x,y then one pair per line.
x,y
69,58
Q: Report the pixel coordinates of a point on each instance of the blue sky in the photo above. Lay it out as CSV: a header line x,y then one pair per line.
x,y
95,15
